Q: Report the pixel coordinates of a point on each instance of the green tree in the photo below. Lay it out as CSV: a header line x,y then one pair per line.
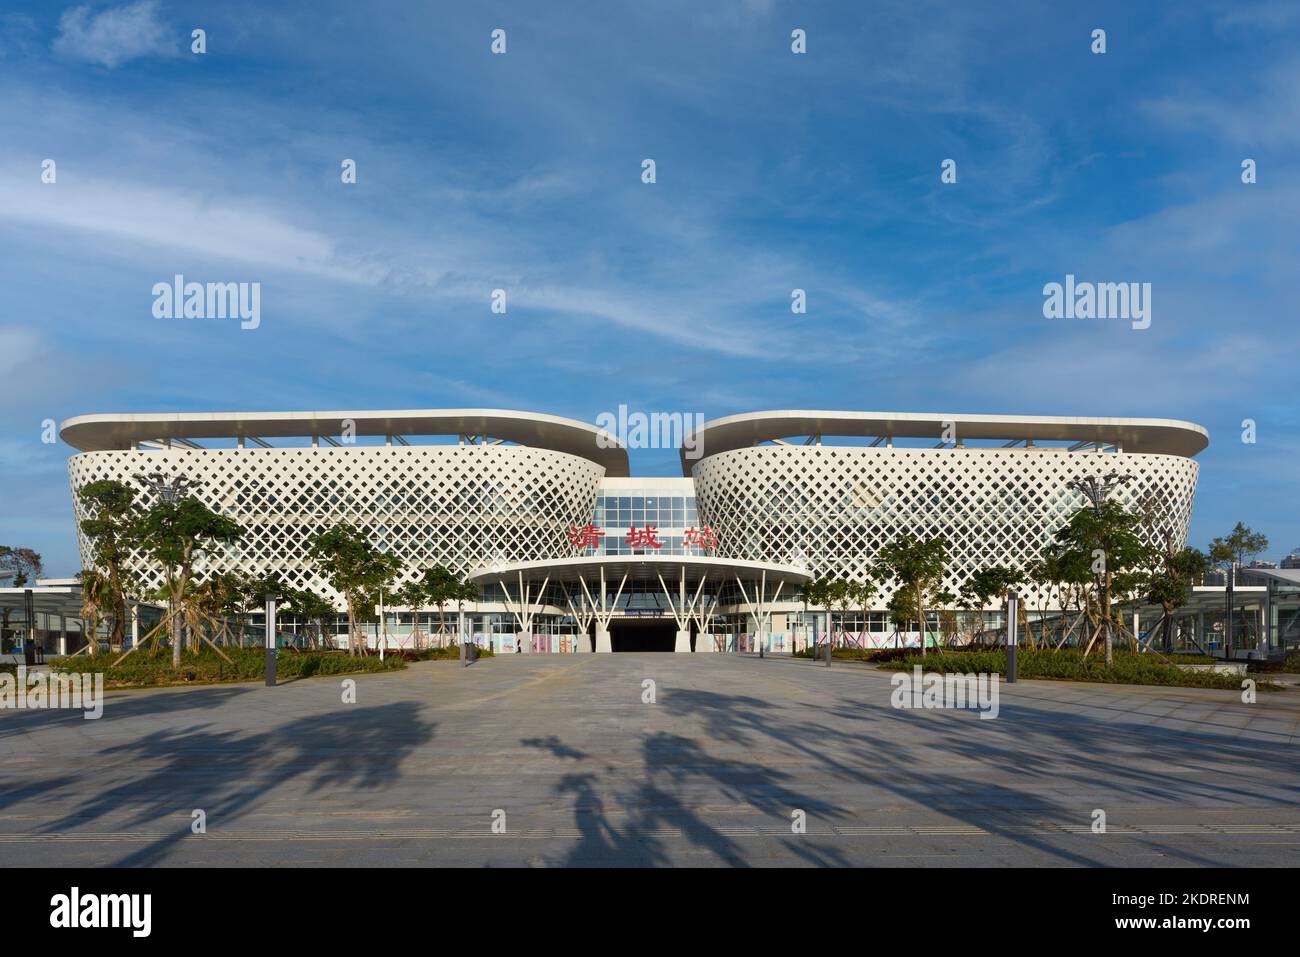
x,y
916,566
220,597
112,529
311,607
175,534
253,590
356,569
1105,536
988,586
817,593
24,565
468,591
841,594
1171,580
441,586
414,596
862,593
1237,547
943,602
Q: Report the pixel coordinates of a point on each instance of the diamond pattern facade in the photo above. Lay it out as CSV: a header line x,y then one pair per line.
x,y
832,508
462,506
827,508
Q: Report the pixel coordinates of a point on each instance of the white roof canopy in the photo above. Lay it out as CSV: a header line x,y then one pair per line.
x,y
638,567
1159,436
93,433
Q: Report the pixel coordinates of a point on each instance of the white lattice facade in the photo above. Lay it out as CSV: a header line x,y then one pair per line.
x,y
462,506
775,491
832,508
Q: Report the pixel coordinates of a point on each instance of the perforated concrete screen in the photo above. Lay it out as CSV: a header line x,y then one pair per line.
x,y
833,508
825,508
462,506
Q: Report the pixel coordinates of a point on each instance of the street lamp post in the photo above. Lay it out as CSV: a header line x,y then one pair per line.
x,y
1013,625
270,639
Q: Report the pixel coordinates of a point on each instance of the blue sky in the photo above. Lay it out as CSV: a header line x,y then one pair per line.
x,y
775,171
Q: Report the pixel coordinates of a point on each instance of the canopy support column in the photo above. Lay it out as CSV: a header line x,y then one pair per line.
x,y
604,611
761,607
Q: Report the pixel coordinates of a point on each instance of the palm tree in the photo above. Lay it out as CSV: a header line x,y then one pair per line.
x,y
96,599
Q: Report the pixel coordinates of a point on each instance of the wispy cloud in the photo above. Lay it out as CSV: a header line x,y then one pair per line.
x,y
114,36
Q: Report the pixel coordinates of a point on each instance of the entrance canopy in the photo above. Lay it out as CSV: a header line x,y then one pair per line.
x,y
602,579
559,570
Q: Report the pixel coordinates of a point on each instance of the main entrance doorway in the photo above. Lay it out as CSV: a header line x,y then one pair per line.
x,y
642,634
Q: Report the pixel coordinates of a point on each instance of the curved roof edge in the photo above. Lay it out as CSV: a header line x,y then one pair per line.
x,y
568,569
1150,436
104,432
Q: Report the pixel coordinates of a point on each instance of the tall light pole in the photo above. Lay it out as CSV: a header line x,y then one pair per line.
x,y
270,638
169,490
1013,637
1096,489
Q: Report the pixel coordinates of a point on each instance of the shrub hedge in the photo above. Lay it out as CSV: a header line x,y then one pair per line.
x,y
246,664
858,654
1069,664
451,652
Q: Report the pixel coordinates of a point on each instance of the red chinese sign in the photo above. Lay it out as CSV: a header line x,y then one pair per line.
x,y
586,537
700,537
647,537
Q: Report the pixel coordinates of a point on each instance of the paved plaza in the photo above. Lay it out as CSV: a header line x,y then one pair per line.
x,y
584,772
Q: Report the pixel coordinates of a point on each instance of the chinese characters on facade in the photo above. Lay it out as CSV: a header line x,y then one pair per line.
x,y
645,537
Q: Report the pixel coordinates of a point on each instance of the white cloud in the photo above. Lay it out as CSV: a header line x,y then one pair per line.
x,y
178,220
1262,110
113,36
